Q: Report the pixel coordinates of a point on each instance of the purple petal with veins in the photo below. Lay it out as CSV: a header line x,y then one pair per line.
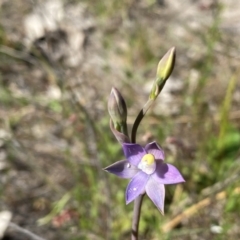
x,y
167,174
136,186
154,149
156,192
133,152
122,169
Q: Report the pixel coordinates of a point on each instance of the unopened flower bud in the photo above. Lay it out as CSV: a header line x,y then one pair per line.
x,y
164,70
117,109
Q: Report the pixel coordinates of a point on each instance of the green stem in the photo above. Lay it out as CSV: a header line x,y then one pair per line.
x,y
136,216
139,119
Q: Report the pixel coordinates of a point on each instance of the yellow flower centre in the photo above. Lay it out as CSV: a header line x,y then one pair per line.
x,y
147,164
148,159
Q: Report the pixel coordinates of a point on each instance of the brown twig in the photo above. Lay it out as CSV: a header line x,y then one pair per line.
x,y
189,212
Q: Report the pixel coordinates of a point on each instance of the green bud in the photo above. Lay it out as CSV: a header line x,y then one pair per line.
x,y
117,109
164,70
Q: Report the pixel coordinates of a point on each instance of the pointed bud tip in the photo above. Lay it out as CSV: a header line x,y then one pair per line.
x,y
114,91
166,64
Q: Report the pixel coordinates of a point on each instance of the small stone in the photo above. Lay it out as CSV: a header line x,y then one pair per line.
x,y
5,218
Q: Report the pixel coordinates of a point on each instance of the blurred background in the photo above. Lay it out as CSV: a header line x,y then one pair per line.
x,y
58,62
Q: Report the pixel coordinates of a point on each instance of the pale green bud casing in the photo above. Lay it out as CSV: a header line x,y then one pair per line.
x,y
117,109
164,70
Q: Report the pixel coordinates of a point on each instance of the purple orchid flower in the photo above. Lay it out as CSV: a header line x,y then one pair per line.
x,y
147,171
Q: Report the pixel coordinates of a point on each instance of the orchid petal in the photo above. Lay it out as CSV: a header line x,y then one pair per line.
x,y
156,192
136,186
154,149
167,174
122,169
133,152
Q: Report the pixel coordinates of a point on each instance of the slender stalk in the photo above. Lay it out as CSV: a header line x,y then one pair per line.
x,y
139,119
136,216
135,126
